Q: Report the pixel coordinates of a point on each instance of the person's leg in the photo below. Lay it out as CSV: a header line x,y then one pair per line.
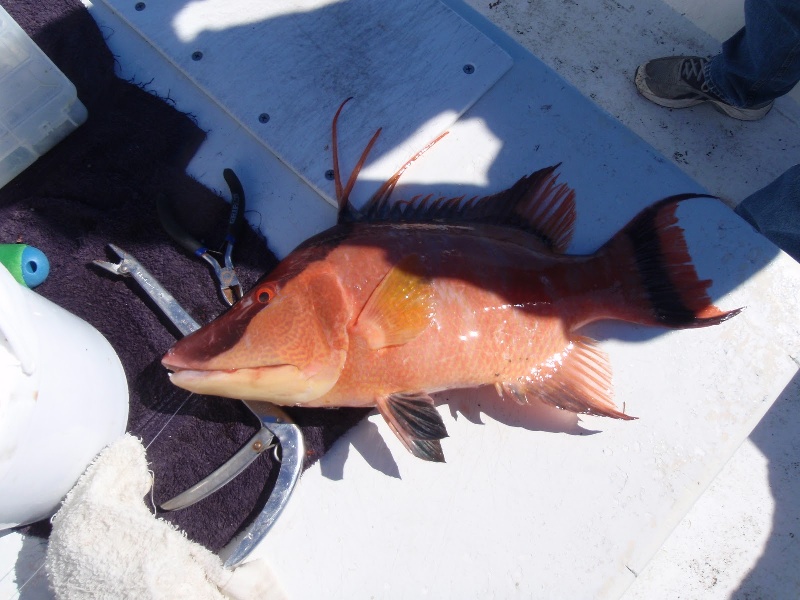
x,y
761,61
775,211
756,65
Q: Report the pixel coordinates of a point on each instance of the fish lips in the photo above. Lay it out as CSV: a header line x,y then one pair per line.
x,y
279,384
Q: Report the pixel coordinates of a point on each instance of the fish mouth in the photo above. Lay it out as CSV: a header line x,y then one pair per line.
x,y
279,384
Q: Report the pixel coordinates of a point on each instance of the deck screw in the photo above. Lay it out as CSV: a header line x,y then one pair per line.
x,y
197,55
329,174
263,118
468,69
140,6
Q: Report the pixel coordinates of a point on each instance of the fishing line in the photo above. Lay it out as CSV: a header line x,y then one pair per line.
x,y
29,579
164,426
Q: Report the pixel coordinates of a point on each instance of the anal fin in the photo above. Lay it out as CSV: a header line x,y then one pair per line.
x,y
415,420
577,380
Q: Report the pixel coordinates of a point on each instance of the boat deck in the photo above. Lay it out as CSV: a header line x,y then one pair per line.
x,y
701,506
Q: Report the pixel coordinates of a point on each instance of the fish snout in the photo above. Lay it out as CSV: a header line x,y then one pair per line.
x,y
173,361
188,354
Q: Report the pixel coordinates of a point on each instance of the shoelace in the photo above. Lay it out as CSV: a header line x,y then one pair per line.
x,y
692,73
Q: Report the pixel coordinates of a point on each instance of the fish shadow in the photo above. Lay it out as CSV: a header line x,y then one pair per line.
x,y
470,404
473,404
368,441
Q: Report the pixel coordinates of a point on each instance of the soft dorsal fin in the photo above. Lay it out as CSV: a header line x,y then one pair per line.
x,y
580,382
416,422
536,203
400,307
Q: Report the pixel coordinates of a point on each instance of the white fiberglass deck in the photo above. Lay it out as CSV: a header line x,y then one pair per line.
x,y
529,505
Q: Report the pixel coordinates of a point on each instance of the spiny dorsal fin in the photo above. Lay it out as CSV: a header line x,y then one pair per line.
x,y
347,212
343,191
536,203
415,420
580,382
400,308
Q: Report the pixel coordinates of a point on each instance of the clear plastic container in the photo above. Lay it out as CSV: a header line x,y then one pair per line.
x,y
39,106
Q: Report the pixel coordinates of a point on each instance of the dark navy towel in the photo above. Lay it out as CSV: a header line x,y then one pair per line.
x,y
99,186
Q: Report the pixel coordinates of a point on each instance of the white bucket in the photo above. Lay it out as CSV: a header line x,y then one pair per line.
x,y
63,398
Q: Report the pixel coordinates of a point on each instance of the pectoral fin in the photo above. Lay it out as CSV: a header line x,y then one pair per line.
x,y
417,423
400,308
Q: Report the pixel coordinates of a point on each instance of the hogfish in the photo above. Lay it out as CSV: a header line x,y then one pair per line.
x,y
400,300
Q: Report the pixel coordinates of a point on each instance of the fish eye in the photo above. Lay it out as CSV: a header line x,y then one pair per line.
x,y
265,294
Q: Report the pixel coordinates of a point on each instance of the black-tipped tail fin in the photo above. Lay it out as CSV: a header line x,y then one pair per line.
x,y
659,282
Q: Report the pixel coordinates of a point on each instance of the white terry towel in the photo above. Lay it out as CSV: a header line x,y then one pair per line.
x,y
106,543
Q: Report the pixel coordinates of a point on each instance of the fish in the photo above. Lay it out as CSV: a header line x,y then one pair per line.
x,y
403,299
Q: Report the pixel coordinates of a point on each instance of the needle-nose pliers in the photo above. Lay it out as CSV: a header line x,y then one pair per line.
x,y
229,285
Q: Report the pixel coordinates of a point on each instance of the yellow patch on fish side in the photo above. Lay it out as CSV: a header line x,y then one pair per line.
x,y
400,308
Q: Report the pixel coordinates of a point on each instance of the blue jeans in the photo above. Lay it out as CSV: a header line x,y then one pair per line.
x,y
775,211
762,60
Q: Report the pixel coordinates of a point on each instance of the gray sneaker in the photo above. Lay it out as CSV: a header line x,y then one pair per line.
x,y
680,81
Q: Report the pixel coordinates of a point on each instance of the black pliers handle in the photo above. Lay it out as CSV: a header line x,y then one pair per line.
x,y
229,284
